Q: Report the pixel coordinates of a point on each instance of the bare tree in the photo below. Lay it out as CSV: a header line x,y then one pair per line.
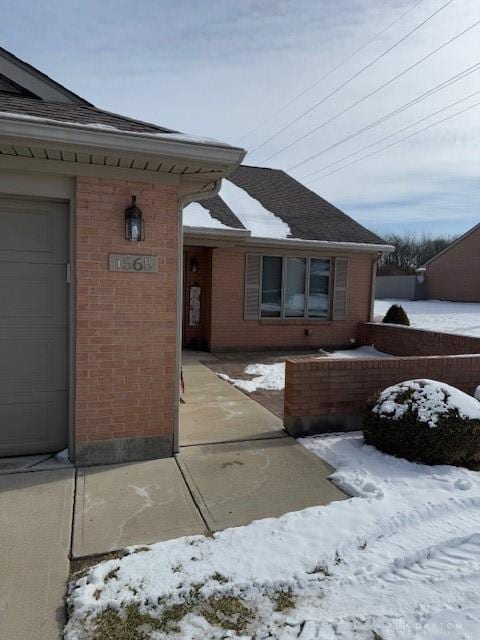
x,y
411,252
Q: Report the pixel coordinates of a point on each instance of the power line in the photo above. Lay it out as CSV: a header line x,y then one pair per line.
x,y
329,73
411,135
369,95
439,87
353,77
395,133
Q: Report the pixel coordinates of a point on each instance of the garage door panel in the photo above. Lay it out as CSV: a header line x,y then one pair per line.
x,y
33,360
33,423
33,327
33,231
32,295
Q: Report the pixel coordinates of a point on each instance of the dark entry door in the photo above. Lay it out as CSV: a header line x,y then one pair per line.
x,y
33,326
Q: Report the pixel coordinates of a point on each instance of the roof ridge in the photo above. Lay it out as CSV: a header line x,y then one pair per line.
x,y
29,66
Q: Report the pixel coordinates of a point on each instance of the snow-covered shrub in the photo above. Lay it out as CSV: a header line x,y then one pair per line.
x,y
396,315
425,421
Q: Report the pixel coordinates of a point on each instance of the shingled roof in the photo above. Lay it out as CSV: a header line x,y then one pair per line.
x,y
309,216
74,113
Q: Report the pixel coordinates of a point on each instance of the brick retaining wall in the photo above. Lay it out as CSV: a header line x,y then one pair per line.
x,y
326,394
406,341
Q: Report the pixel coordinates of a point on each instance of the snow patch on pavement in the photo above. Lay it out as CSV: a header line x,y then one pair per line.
x,y
272,376
268,376
401,558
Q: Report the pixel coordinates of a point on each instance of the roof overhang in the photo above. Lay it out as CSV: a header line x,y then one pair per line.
x,y
173,154
244,237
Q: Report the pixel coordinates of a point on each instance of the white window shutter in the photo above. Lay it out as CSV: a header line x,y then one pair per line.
x,y
253,264
339,311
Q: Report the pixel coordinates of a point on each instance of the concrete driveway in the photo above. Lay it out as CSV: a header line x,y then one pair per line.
x,y
36,521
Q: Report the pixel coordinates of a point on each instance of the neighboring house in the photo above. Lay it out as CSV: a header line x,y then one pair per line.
x,y
89,336
273,265
91,281
454,273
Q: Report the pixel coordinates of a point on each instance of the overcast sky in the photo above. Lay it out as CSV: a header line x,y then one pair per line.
x,y
221,68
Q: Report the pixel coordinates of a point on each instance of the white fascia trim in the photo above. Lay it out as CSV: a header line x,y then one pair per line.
x,y
323,244
73,134
286,243
215,233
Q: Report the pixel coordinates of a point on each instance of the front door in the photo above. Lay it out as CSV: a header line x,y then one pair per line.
x,y
197,279
33,326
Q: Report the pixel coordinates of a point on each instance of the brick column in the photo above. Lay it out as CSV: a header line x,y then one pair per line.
x,y
126,325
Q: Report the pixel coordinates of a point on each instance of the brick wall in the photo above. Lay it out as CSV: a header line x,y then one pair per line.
x,y
125,324
326,394
229,331
406,341
455,275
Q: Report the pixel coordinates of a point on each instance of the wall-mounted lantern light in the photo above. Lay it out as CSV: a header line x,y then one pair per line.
x,y
134,229
193,265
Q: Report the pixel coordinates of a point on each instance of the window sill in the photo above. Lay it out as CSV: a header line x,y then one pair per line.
x,y
295,321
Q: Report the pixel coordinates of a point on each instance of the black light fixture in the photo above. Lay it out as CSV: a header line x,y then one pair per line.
x,y
134,229
193,265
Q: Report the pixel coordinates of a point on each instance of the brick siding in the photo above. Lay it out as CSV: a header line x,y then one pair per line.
x,y
229,331
126,323
406,341
324,394
455,275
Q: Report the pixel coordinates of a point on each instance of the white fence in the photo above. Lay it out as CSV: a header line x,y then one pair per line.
x,y
400,287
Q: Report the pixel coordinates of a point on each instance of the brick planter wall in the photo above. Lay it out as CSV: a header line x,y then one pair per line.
x,y
324,394
406,341
125,325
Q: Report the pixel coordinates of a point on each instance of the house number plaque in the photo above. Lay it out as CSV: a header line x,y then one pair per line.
x,y
132,263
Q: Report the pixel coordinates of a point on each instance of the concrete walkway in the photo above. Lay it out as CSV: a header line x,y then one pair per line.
x,y
139,503
215,411
238,482
246,468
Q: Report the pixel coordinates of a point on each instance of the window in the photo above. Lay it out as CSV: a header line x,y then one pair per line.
x,y
271,287
318,292
294,287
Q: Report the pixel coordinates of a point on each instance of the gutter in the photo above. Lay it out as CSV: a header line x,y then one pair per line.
x,y
363,247
209,232
246,237
18,129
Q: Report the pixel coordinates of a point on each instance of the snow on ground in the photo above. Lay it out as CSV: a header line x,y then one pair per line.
x,y
360,352
399,560
272,376
194,215
261,222
268,376
448,317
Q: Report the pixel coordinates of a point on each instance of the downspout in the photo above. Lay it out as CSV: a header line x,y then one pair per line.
x,y
183,201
